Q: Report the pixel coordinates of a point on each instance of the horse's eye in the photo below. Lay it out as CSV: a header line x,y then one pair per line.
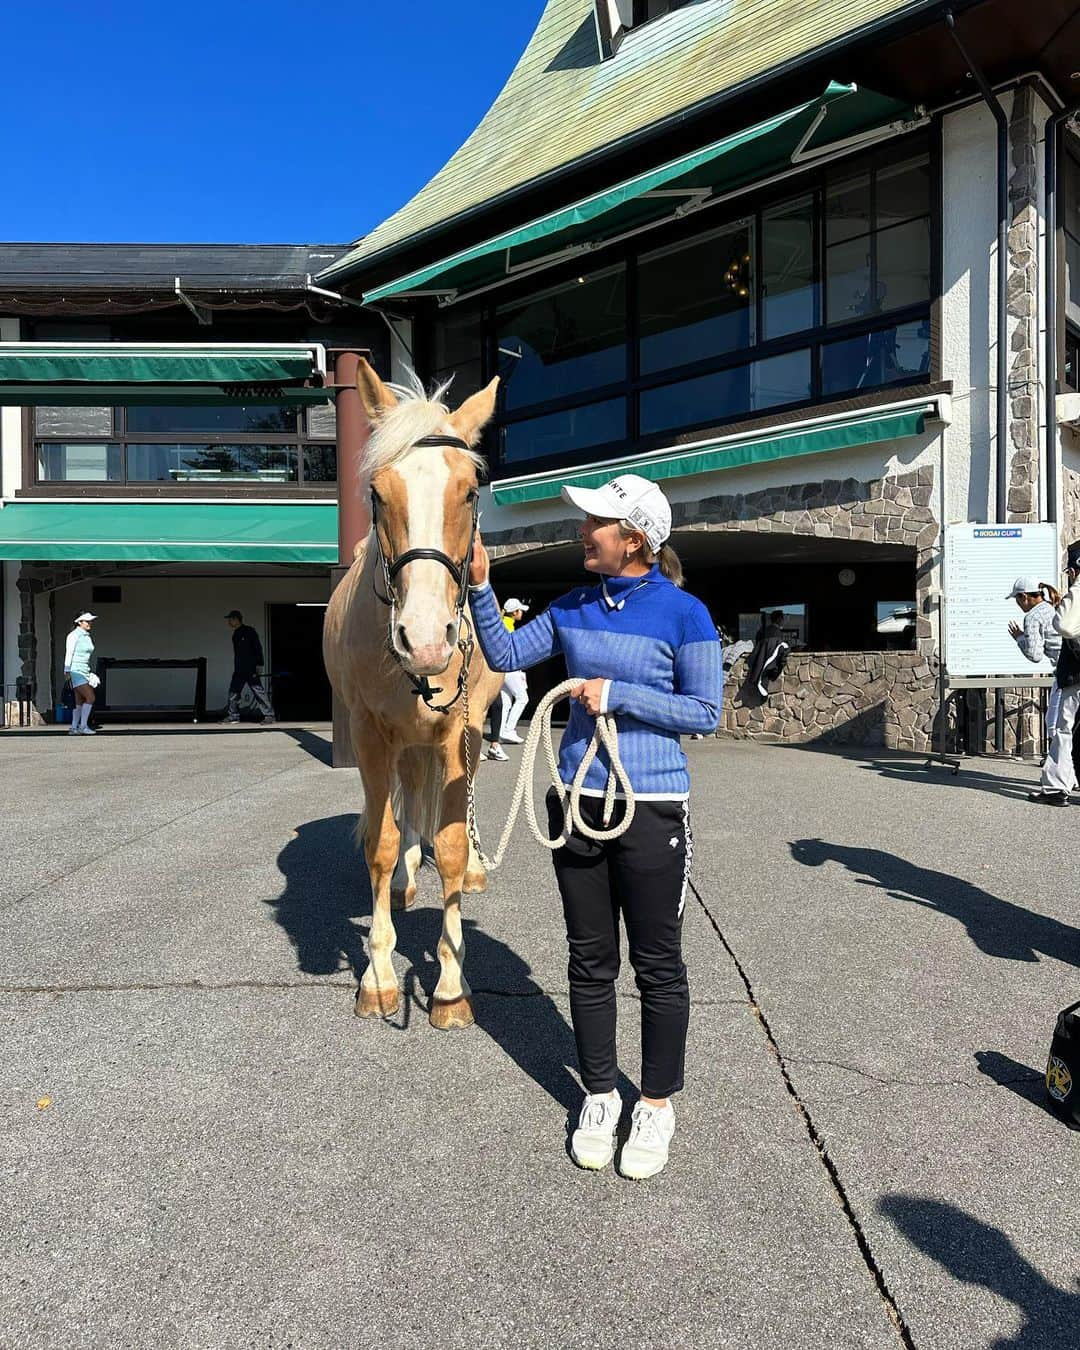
x,y
472,495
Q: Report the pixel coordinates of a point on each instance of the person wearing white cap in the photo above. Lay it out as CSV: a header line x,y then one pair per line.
x,y
648,653
78,650
515,690
1058,778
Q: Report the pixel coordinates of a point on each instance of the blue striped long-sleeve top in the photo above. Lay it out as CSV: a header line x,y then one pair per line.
x,y
657,651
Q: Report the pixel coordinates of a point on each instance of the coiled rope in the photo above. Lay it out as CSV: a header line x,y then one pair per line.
x,y
569,797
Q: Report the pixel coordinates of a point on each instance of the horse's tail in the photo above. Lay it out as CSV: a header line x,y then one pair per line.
x,y
418,794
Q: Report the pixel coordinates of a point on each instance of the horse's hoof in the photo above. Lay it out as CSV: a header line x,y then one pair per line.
x,y
403,899
451,1014
377,1002
475,883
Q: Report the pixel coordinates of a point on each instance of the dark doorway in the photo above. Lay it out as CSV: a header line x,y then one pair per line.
x,y
300,689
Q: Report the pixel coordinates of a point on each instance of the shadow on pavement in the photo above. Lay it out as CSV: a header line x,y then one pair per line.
x,y
974,780
976,1253
1027,1083
327,888
997,927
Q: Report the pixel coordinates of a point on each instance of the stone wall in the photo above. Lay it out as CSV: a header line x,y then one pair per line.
x,y
1070,506
1023,393
885,699
854,698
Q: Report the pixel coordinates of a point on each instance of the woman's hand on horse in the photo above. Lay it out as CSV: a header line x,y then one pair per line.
x,y
589,695
480,566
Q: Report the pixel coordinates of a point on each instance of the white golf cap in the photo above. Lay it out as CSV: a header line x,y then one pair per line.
x,y
628,497
1024,586
85,615
513,605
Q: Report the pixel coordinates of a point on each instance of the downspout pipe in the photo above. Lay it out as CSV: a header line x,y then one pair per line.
x,y
1053,468
1001,493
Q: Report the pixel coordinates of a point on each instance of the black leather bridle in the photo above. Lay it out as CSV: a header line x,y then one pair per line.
x,y
392,568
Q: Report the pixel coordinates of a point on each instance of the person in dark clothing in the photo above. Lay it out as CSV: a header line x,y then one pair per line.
x,y
769,655
247,658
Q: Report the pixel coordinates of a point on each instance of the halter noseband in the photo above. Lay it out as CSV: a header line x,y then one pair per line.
x,y
392,568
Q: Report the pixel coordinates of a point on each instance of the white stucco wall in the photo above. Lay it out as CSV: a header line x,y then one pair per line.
x,y
173,617
969,304
10,481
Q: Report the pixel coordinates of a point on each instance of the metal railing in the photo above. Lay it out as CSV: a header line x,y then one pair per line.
x,y
17,704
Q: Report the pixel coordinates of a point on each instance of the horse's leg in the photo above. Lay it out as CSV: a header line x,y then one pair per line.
x,y
378,995
475,875
403,885
450,1005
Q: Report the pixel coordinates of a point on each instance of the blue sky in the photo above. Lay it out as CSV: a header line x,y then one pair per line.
x,y
238,121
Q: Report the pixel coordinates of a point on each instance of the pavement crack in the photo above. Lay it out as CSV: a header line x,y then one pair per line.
x,y
197,986
982,1086
134,838
873,1267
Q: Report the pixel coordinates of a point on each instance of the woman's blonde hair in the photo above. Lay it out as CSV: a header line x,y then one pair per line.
x,y
670,566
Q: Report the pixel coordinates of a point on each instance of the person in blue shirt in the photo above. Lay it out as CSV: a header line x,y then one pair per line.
x,y
646,652
78,649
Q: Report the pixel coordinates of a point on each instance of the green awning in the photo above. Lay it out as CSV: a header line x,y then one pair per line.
x,y
100,373
842,114
170,531
730,453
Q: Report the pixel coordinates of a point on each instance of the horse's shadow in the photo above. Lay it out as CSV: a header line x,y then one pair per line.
x,y
327,891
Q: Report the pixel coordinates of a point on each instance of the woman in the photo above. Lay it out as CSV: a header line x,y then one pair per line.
x,y
515,690
77,653
647,652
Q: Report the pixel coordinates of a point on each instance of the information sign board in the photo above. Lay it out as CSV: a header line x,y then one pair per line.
x,y
981,564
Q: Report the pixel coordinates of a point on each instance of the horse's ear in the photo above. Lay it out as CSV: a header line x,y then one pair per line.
x,y
375,396
475,413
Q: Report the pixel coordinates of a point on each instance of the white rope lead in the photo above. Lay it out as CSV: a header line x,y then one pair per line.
x,y
569,797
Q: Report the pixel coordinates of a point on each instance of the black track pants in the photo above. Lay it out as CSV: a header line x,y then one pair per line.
x,y
643,876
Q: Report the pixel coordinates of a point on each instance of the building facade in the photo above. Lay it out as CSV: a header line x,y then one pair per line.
x,y
818,273
168,453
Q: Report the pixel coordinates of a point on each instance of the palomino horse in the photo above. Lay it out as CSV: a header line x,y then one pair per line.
x,y
395,620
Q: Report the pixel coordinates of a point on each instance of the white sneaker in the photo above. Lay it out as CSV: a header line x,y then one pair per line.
x,y
87,731
512,738
646,1151
498,753
592,1145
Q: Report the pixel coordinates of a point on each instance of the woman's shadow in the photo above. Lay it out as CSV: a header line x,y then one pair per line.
x,y
325,909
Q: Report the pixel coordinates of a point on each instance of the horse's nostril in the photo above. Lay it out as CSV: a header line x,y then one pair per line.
x,y
452,633
403,639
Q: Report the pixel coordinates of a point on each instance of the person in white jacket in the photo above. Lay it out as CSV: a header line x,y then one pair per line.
x,y
515,690
1058,781
78,650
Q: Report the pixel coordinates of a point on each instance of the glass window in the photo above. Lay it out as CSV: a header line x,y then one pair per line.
x,y
457,351
80,463
874,359
848,291
789,291
781,379
572,429
250,417
708,398
322,421
211,463
902,190
696,300
896,623
847,207
903,267
1072,360
563,341
63,422
320,463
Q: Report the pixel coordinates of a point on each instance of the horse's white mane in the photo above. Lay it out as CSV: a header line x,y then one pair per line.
x,y
416,415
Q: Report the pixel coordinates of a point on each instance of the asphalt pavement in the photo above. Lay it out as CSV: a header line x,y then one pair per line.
x,y
203,1147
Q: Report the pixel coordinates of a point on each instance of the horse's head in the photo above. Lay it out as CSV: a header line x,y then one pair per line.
x,y
424,498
